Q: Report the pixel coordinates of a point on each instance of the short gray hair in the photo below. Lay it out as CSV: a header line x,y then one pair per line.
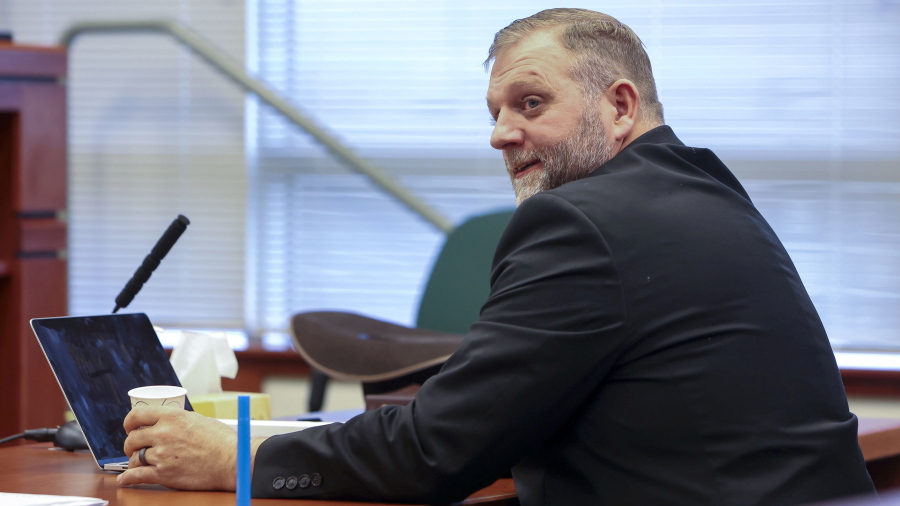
x,y
605,50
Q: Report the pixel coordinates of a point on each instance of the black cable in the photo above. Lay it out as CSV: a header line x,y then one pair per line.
x,y
42,435
11,438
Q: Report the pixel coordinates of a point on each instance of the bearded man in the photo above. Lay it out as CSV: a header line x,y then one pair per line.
x,y
647,339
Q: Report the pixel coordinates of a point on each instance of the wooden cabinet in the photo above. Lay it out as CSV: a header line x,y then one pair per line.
x,y
32,229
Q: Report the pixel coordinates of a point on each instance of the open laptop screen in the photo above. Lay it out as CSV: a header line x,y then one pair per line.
x,y
97,360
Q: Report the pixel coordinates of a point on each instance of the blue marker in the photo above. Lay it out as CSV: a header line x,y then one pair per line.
x,y
243,451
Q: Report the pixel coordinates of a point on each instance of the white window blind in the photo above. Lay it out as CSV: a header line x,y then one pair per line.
x,y
797,97
394,82
153,133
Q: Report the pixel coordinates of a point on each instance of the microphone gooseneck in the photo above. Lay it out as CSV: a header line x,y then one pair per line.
x,y
151,261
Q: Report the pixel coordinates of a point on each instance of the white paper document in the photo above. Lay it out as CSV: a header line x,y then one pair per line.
x,y
268,428
8,499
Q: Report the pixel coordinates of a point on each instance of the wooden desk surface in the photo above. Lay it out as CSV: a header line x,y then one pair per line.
x,y
38,469
879,438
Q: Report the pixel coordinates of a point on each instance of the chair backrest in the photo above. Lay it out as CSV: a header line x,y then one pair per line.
x,y
460,279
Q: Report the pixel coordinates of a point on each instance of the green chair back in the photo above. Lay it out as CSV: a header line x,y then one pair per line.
x,y
460,279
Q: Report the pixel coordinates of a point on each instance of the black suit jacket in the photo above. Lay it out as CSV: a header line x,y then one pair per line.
x,y
647,340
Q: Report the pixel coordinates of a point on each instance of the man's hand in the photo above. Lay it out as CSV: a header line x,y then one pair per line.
x,y
185,450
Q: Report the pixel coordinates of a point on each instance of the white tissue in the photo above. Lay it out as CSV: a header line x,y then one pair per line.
x,y
201,360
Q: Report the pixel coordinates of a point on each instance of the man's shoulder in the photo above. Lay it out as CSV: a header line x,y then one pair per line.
x,y
655,162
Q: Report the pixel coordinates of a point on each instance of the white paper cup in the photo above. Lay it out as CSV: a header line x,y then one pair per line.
x,y
158,395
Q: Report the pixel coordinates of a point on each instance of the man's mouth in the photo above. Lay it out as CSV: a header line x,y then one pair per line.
x,y
521,170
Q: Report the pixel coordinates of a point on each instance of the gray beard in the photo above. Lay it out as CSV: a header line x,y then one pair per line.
x,y
572,159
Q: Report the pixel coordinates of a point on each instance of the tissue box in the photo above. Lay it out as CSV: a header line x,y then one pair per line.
x,y
224,405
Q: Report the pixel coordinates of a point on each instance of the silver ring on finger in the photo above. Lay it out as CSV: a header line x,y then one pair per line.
x,y
142,456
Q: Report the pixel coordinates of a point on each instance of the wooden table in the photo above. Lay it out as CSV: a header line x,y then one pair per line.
x,y
38,469
879,440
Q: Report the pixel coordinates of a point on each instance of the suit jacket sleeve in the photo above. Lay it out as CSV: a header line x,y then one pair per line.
x,y
546,338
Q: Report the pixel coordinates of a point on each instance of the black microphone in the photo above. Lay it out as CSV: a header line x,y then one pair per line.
x,y
151,261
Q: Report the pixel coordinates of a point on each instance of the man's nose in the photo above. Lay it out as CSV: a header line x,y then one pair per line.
x,y
507,132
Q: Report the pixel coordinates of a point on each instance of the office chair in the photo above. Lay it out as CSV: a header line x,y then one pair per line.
x,y
385,356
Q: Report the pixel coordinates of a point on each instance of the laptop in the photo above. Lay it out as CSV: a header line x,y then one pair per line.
x,y
97,360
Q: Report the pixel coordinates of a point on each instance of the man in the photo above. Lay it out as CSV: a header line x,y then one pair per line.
x,y
647,339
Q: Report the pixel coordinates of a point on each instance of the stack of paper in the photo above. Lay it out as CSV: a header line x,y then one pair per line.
x,y
7,499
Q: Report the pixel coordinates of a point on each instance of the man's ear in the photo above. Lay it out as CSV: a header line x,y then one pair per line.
x,y
624,102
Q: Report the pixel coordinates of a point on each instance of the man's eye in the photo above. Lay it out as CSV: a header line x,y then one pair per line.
x,y
532,103
493,121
